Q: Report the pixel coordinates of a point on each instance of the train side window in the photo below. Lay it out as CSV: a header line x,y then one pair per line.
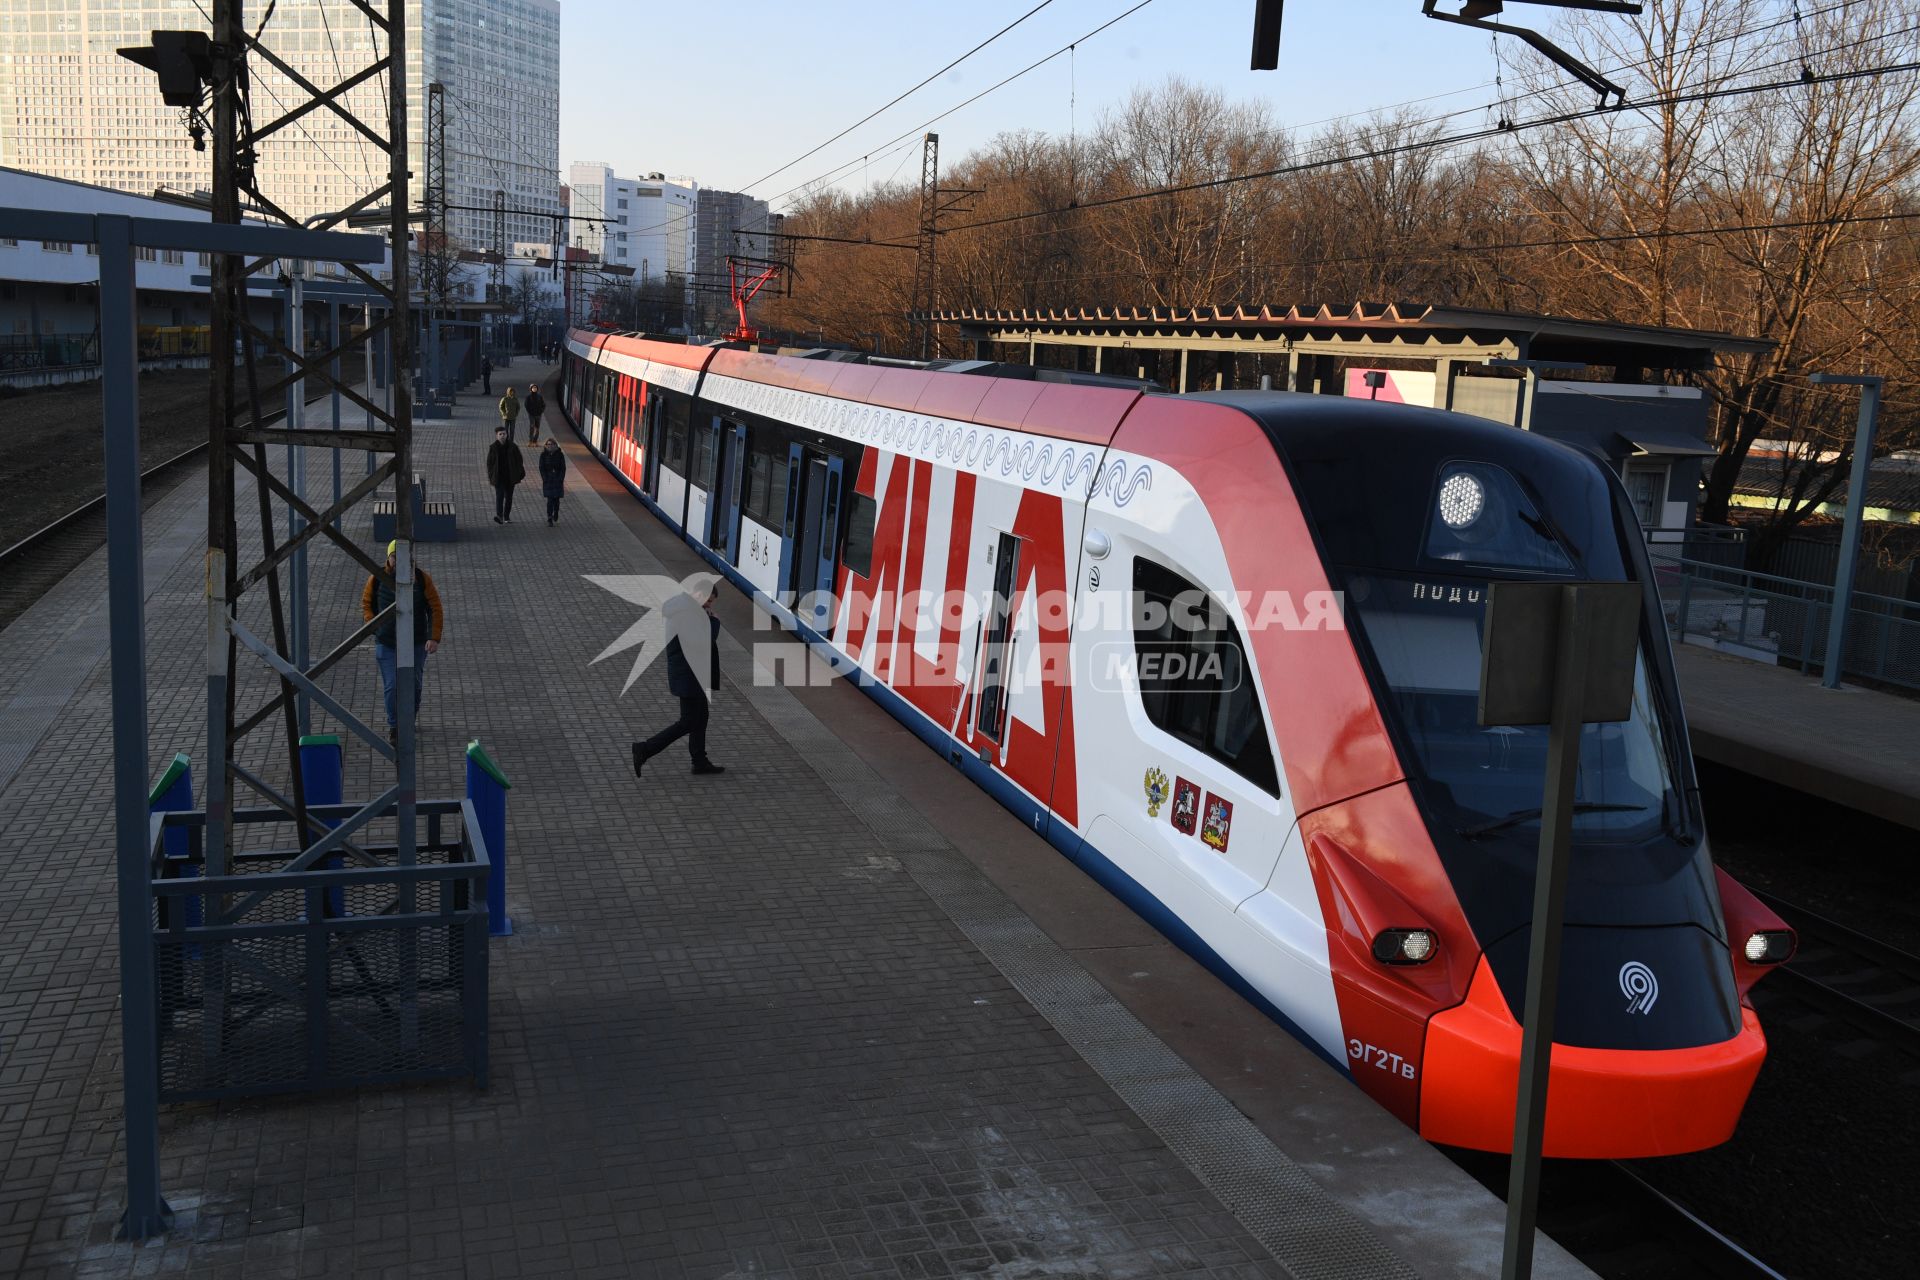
x,y
861,513
702,473
1195,681
676,433
757,487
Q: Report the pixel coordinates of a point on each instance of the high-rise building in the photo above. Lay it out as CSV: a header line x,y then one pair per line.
x,y
729,223
651,225
71,108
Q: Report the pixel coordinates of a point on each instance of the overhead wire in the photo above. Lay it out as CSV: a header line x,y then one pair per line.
x,y
901,97
1429,144
1327,159
995,87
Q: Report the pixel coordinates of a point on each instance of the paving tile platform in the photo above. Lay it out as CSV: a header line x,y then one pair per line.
x,y
772,1023
1857,747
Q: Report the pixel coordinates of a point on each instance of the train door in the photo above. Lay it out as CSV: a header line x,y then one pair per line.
x,y
651,426
789,523
815,538
733,466
997,661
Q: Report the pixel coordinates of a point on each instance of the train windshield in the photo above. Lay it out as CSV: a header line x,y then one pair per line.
x,y
1425,633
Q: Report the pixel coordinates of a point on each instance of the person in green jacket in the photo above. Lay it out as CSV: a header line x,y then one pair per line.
x,y
509,412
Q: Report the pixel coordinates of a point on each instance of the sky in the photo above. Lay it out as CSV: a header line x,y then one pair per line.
x,y
728,92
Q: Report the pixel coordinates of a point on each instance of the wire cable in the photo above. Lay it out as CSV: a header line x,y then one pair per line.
x,y
910,92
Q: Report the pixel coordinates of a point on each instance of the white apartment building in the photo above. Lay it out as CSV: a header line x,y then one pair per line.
x,y
72,108
655,220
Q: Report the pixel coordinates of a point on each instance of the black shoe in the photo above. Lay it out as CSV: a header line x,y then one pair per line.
x,y
497,520
708,766
639,758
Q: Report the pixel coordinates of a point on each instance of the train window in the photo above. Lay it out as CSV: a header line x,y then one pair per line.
x,y
703,455
676,433
1196,683
758,484
860,521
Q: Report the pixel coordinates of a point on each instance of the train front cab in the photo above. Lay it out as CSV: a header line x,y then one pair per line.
x,y
1422,822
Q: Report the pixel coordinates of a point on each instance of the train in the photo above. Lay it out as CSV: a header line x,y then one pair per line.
x,y
1222,650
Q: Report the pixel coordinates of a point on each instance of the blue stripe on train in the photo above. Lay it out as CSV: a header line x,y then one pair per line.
x,y
1069,842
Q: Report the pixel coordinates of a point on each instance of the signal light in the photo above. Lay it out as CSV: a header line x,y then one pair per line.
x,y
1405,946
1769,946
182,59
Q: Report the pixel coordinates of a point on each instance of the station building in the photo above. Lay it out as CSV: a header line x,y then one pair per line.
x,y
49,290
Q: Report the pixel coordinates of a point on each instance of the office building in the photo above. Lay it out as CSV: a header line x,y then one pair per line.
x,y
652,221
71,108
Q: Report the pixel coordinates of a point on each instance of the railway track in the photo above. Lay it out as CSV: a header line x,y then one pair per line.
x,y
1620,1225
32,566
1867,983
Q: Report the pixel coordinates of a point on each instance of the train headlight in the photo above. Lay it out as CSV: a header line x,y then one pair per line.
x,y
1769,946
1462,499
1405,946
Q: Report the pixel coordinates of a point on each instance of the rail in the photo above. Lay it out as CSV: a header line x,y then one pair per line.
x,y
1784,620
1867,983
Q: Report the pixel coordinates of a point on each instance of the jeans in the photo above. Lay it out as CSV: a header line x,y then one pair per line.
x,y
533,428
389,659
502,501
553,509
692,722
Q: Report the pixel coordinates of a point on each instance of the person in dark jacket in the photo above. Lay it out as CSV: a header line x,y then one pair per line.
x,y
505,469
553,478
429,617
486,375
693,627
536,405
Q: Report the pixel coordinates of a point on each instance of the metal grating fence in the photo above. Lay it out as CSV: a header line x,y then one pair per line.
x,y
1785,620
270,980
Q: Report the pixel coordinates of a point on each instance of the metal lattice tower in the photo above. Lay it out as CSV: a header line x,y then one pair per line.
x,y
239,439
497,292
923,262
435,250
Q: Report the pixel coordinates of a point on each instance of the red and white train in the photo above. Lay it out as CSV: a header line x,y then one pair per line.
x,y
1287,776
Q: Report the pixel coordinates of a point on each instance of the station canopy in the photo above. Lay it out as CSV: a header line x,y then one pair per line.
x,y
1399,330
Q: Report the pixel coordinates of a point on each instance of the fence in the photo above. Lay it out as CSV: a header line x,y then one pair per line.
x,y
271,980
1785,620
32,352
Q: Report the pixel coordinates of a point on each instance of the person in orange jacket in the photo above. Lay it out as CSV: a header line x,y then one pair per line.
x,y
429,618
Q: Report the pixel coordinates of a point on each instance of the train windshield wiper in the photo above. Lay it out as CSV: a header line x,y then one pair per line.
x,y
1519,816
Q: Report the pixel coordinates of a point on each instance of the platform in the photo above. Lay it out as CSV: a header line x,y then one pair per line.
x,y
1856,747
832,1013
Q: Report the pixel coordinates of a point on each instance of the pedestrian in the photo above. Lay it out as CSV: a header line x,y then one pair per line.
x,y
536,405
509,412
694,631
486,376
553,478
429,618
505,469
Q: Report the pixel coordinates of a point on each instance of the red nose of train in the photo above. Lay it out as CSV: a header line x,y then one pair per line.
x,y
1601,1103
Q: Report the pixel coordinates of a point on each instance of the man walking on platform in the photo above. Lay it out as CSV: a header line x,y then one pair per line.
x,y
694,631
505,469
429,617
486,375
553,478
509,412
536,405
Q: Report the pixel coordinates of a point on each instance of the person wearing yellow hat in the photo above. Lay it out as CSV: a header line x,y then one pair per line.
x,y
429,617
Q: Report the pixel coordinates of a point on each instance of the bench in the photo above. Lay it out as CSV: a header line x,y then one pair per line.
x,y
432,521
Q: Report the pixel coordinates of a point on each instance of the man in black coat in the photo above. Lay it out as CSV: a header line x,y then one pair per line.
x,y
505,469
486,375
685,621
536,404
